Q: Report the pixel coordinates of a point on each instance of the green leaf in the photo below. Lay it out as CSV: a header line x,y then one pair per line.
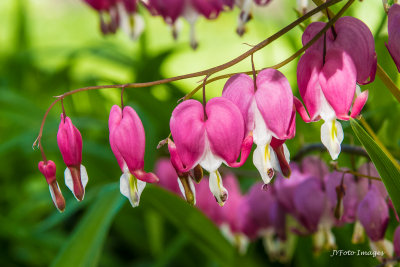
x,y
203,233
84,246
385,164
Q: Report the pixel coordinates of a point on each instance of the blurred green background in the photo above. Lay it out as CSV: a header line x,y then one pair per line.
x,y
49,47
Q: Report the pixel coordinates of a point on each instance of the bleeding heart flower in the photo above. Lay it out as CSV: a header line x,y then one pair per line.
x,y
327,87
208,141
48,169
373,214
393,44
269,113
127,140
69,141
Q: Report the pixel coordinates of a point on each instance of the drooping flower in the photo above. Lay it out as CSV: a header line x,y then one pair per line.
x,y
245,7
127,141
69,141
208,140
328,74
393,44
269,113
373,214
328,90
48,169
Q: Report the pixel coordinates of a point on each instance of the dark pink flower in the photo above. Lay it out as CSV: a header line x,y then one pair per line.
x,y
69,141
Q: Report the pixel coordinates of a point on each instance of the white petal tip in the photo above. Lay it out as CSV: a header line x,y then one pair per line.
x,y
131,188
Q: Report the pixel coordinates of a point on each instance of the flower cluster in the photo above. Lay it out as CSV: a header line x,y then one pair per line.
x,y
311,202
123,13
127,141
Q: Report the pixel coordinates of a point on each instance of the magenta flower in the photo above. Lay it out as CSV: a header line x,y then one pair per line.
x,y
167,175
373,214
393,44
208,141
127,140
69,141
48,169
268,112
328,91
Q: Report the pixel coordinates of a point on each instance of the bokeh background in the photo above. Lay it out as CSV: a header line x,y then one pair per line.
x,y
48,47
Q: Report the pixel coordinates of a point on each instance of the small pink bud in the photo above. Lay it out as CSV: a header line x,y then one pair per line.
x,y
69,141
49,171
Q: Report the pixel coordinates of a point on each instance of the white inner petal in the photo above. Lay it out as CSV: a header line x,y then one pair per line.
x,y
192,188
261,134
84,176
53,196
265,160
332,137
217,188
131,187
68,180
209,161
325,110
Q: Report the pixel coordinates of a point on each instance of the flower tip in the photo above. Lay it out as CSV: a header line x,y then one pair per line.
x,y
76,180
56,196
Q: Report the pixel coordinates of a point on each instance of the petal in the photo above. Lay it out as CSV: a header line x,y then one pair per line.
x,y
283,157
187,189
188,131
301,110
69,141
57,196
131,188
332,137
128,137
240,90
113,121
356,39
274,100
147,177
338,81
209,161
262,135
312,30
225,128
308,70
394,34
74,181
244,152
359,104
217,188
265,160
